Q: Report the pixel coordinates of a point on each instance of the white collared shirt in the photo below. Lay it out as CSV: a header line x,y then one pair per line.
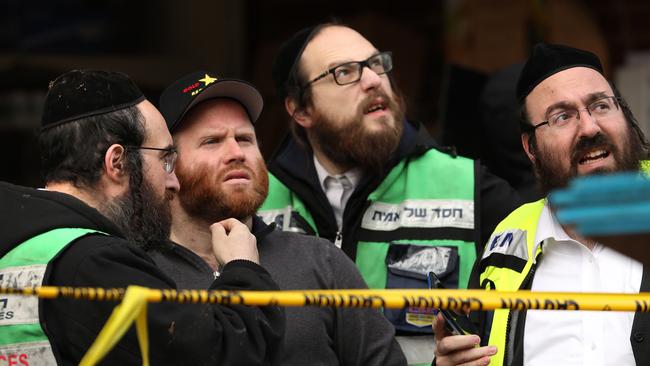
x,y
338,188
586,338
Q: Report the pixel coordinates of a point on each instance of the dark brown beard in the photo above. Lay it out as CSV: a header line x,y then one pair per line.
x,y
549,171
203,197
142,216
351,144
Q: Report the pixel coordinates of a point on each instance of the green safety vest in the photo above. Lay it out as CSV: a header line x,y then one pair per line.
x,y
412,206
22,339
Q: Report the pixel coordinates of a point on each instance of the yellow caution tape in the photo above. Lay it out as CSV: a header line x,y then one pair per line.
x,y
134,306
394,298
135,299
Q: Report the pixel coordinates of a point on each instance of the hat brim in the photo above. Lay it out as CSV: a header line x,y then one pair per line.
x,y
239,90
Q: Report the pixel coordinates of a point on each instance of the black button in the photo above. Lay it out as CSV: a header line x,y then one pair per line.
x,y
639,337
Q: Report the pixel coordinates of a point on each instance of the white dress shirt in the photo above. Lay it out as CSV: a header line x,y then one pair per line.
x,y
586,338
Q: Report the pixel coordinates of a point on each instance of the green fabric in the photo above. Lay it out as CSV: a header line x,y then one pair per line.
x,y
420,179
38,252
281,198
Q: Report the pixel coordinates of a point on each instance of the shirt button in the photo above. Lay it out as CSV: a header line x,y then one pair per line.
x,y
639,337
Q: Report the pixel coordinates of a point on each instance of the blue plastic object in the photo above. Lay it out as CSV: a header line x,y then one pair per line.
x,y
605,204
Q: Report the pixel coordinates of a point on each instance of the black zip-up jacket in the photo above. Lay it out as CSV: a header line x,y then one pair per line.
x,y
293,165
179,334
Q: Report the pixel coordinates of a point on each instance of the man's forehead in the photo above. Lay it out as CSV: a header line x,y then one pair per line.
x,y
215,115
337,44
573,85
156,132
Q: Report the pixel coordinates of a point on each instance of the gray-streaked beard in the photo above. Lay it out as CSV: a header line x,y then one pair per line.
x,y
143,218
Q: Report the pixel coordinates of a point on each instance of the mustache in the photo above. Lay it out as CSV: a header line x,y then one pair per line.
x,y
370,99
238,166
586,144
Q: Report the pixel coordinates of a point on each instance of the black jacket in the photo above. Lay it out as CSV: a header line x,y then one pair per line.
x,y
314,335
178,333
293,165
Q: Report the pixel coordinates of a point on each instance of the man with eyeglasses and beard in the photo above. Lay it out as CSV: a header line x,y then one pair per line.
x,y
574,123
355,172
221,170
108,163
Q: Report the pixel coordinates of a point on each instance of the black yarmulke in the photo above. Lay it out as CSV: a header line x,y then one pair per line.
x,y
548,59
83,93
287,58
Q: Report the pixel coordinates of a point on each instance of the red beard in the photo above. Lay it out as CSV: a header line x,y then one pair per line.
x,y
204,196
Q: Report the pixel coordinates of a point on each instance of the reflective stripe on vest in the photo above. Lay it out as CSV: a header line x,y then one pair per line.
x,y
22,340
506,261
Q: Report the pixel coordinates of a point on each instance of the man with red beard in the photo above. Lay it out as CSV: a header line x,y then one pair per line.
x,y
574,123
222,173
108,163
355,172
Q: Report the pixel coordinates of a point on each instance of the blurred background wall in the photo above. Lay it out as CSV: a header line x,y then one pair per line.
x,y
456,60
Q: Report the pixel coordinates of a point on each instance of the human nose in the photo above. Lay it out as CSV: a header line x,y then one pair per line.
x,y
588,125
369,78
171,182
234,152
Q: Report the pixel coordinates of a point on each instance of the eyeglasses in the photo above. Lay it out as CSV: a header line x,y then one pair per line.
x,y
168,157
600,109
350,72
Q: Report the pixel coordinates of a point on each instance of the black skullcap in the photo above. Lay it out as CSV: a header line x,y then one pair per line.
x,y
201,85
286,60
548,59
83,93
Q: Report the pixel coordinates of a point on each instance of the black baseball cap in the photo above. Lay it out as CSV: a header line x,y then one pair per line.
x,y
80,94
190,90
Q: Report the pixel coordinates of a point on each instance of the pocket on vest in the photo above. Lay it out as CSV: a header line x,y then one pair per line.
x,y
408,266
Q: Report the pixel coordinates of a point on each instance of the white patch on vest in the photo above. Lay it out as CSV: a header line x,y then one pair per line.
x,y
16,309
434,259
512,242
419,214
35,353
281,217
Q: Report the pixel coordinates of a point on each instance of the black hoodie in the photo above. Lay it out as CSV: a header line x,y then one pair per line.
x,y
178,333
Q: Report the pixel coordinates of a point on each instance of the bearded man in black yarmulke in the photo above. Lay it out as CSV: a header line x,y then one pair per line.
x,y
108,163
574,123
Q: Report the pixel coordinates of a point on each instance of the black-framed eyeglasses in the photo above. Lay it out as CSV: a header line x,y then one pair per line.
x,y
600,109
350,72
169,156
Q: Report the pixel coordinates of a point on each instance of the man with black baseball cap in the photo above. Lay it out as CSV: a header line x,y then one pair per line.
x,y
574,123
224,176
356,172
108,163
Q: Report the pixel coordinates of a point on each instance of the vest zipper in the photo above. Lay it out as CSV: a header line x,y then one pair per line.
x,y
338,241
524,283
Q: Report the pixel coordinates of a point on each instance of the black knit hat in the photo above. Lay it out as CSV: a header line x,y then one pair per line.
x,y
83,93
287,59
548,59
201,85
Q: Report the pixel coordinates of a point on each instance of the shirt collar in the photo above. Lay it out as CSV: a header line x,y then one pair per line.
x,y
354,175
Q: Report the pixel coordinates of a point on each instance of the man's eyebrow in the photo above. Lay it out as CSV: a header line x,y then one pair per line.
x,y
559,105
590,98
334,64
594,97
